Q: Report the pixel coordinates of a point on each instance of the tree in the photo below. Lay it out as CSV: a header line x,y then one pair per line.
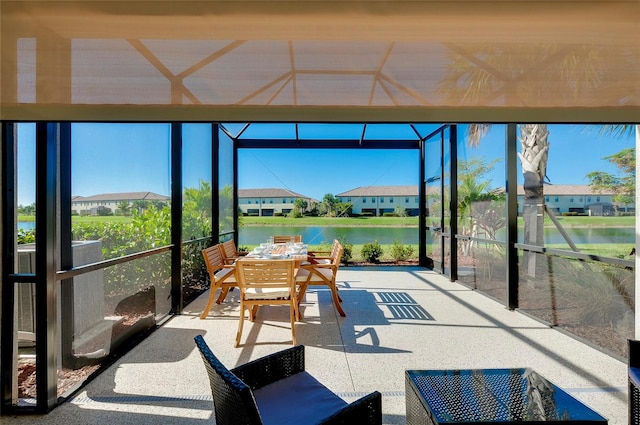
x,y
196,211
400,211
481,75
101,210
624,186
474,200
534,151
343,209
27,210
139,205
159,204
124,208
329,203
199,199
226,208
301,205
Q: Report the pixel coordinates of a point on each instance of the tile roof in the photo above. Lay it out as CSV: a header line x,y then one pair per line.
x,y
269,193
568,189
381,191
125,196
549,189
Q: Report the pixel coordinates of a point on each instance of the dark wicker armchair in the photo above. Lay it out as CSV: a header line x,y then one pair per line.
x,y
634,382
276,390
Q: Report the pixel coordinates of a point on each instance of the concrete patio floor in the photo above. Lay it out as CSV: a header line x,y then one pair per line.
x,y
397,319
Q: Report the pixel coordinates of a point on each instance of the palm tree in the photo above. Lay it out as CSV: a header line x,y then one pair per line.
x,y
124,208
534,153
301,205
472,191
140,205
329,201
483,75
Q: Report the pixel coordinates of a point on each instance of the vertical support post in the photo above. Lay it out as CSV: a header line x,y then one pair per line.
x,y
215,183
7,322
47,147
422,207
443,250
453,204
176,218
67,290
637,257
511,186
234,203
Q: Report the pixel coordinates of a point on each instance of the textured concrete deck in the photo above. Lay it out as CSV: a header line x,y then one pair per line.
x,y
397,319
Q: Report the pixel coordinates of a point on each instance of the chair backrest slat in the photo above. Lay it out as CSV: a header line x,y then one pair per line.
x,y
265,274
337,257
213,258
229,251
287,238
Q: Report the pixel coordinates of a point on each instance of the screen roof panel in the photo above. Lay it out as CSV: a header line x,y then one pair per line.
x,y
449,61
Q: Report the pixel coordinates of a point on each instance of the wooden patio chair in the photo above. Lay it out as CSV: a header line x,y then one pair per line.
x,y
323,257
221,275
287,238
230,252
323,274
276,389
266,282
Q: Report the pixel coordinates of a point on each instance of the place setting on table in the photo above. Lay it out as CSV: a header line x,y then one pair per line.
x,y
279,251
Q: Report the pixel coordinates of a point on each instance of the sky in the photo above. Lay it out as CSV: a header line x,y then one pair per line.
x,y
135,157
574,152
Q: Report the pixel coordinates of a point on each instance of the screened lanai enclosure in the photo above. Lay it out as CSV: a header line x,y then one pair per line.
x,y
96,94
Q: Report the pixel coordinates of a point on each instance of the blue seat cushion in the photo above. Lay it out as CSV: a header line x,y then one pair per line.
x,y
298,399
634,375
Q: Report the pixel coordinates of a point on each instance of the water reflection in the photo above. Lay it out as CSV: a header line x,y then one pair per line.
x,y
409,235
320,235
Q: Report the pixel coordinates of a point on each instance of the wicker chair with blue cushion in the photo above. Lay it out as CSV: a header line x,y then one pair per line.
x,y
275,389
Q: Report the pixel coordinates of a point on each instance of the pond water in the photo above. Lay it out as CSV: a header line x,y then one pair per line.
x,y
317,235
26,225
593,235
409,235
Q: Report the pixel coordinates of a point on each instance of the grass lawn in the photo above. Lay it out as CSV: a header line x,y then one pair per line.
x,y
610,250
568,221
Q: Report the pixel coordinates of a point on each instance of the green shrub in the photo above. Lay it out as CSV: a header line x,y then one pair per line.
x,y
26,236
400,252
371,252
347,252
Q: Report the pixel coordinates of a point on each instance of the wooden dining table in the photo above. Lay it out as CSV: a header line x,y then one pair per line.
x,y
282,251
